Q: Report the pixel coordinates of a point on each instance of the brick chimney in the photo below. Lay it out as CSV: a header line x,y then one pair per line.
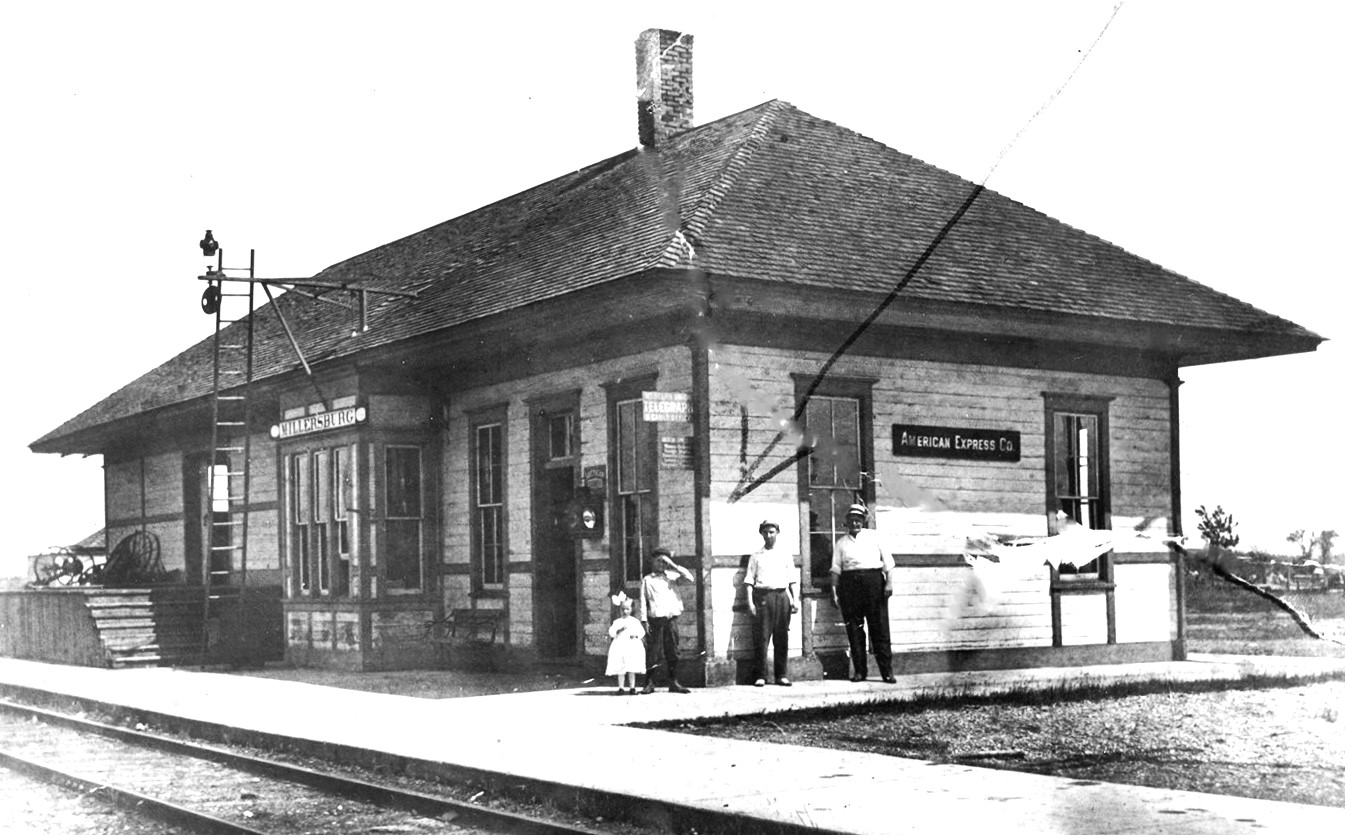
x,y
663,81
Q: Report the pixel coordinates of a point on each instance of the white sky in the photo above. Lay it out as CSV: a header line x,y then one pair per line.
x,y
1202,136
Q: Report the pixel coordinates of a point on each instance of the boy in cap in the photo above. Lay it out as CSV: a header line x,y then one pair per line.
x,y
861,583
659,607
772,582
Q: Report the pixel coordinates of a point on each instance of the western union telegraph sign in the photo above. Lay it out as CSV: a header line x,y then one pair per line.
x,y
320,422
952,442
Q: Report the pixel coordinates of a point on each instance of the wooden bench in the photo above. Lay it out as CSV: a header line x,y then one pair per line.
x,y
463,624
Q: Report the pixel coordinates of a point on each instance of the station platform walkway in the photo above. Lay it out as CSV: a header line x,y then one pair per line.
x,y
578,744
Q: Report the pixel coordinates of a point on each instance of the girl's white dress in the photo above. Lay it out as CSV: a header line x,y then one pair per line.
x,y
626,654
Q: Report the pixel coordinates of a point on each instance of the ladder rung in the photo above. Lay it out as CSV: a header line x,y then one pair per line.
x,y
232,397
228,449
225,547
227,524
236,295
230,423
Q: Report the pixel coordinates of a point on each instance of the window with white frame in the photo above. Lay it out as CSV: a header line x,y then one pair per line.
x,y
1077,469
319,493
635,522
403,517
836,472
488,495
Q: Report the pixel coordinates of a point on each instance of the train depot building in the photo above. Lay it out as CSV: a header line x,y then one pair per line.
x,y
767,317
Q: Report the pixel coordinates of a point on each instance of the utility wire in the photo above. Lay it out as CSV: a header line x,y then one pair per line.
x,y
744,485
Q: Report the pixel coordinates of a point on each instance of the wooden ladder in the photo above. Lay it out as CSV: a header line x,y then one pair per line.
x,y
228,480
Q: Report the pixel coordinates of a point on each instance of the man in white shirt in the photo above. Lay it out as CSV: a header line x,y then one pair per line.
x,y
660,604
772,582
861,583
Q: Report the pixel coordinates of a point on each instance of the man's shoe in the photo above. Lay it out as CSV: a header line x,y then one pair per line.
x,y
674,687
858,677
784,682
621,691
647,689
761,682
890,679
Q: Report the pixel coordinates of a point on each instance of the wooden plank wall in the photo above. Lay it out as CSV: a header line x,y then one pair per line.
x,y
968,496
675,490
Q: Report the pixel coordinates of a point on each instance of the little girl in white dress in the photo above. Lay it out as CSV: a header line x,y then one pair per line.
x,y
625,657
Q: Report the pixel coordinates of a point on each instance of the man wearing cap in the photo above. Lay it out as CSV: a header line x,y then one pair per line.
x,y
660,604
861,583
772,582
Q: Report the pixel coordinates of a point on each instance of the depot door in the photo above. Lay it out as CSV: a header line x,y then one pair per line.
x,y
555,563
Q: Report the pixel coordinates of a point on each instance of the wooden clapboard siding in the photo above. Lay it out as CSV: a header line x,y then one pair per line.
x,y
675,486
121,486
1083,619
394,411
163,483
1145,602
924,392
960,607
521,631
263,541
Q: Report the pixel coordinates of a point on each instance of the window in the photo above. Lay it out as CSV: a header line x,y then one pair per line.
x,y
834,481
403,516
300,515
560,431
488,540
1077,484
836,421
635,528
319,494
345,500
322,514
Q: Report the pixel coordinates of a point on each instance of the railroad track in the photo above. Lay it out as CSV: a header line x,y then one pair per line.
x,y
204,788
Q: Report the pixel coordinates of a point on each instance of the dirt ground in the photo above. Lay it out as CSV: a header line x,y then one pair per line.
x,y
1277,743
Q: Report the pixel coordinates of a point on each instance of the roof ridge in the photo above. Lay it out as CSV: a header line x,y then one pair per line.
x,y
681,247
727,176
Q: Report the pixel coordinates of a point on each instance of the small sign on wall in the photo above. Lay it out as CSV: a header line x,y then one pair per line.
x,y
595,478
672,406
954,442
676,453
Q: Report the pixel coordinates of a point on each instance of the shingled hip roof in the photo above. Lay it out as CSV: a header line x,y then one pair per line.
x,y
771,193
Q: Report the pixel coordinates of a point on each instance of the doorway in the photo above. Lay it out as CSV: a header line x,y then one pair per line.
x,y
555,563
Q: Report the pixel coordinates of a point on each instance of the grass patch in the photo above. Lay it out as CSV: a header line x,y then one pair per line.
x,y
1018,696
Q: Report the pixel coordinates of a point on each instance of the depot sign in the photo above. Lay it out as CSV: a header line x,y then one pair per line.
x,y
955,442
320,422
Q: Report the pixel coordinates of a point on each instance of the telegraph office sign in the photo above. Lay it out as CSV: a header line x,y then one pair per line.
x,y
320,422
953,442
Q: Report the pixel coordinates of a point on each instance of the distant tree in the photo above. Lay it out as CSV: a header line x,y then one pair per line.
x,y
1216,528
1303,540
1325,543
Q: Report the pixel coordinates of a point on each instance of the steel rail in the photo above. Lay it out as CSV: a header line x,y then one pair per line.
x,y
161,810
462,813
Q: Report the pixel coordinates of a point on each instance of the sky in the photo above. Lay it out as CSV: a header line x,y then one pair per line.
x,y
1203,136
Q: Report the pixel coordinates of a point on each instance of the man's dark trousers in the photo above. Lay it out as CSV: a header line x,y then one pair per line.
x,y
863,597
661,640
772,626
